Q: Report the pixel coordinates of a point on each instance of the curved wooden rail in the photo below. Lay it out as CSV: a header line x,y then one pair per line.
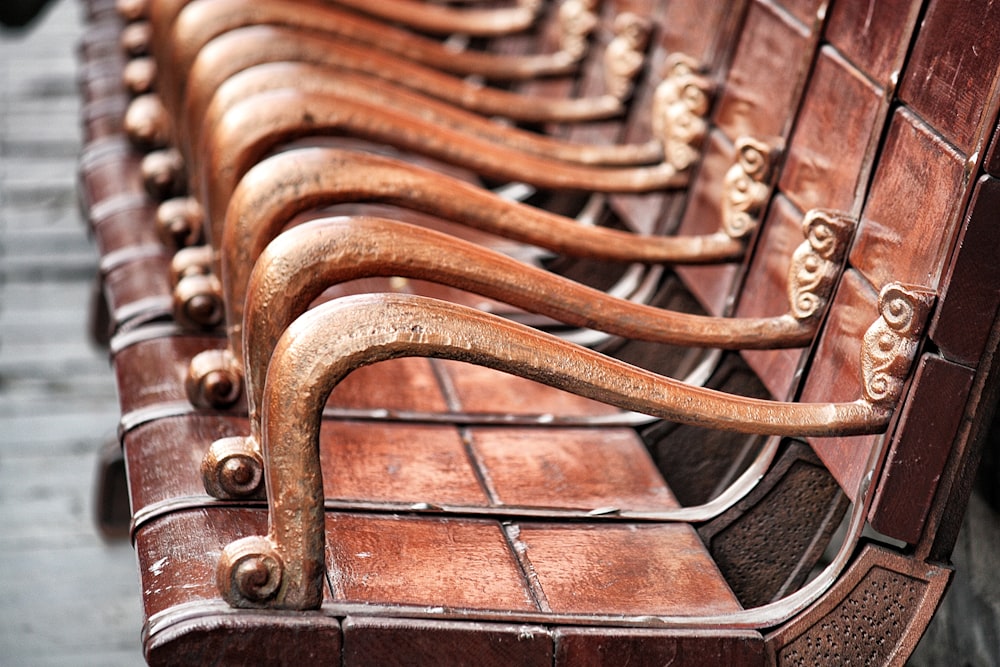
x,y
299,265
242,48
313,79
257,125
303,262
435,19
285,569
181,29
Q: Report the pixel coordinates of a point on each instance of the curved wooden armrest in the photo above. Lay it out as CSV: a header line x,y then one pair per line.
x,y
258,124
285,569
435,19
274,191
242,48
187,25
280,187
299,265
304,261
314,79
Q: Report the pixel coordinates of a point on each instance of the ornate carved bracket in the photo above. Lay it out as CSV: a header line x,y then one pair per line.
x,y
577,20
625,54
680,109
816,263
747,186
891,342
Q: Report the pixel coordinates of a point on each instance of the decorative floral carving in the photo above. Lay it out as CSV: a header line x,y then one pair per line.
x,y
680,110
891,342
577,20
816,263
746,187
625,54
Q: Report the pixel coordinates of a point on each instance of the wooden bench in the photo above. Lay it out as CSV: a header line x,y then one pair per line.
x,y
436,511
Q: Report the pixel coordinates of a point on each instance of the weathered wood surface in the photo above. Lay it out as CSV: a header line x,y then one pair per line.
x,y
67,597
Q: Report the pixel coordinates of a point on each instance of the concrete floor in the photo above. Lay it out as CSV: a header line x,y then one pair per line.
x,y
66,597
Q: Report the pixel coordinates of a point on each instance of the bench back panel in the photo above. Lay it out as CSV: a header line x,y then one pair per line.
x,y
912,230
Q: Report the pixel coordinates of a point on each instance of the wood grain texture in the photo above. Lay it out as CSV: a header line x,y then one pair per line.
x,y
831,149
425,562
109,168
765,292
711,285
971,295
808,12
407,464
927,428
481,390
582,468
152,371
371,642
139,290
767,72
950,76
227,639
122,228
602,647
908,225
874,36
177,554
622,569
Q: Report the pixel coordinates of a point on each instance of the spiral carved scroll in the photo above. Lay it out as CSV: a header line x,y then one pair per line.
x,y
577,20
816,263
250,572
233,468
680,109
746,187
891,342
625,54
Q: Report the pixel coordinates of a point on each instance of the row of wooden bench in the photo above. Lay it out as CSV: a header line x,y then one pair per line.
x,y
530,333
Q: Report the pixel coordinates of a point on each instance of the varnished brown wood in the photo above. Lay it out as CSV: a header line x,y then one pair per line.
x,y
962,323
599,647
829,158
260,123
918,457
910,183
742,110
304,261
786,45
292,552
371,641
912,206
768,272
872,36
831,377
245,47
952,73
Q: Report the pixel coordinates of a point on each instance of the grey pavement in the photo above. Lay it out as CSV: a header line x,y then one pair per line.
x,y
66,597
